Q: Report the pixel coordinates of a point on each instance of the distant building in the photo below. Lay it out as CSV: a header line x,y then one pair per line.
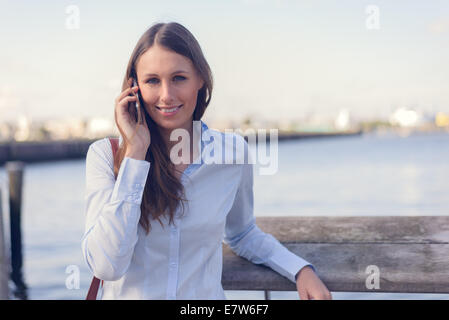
x,y
22,132
6,132
405,117
61,129
442,119
343,120
99,127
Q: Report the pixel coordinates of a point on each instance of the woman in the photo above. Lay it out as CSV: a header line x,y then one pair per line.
x,y
134,197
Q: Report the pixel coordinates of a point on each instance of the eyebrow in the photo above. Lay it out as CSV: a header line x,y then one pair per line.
x,y
153,74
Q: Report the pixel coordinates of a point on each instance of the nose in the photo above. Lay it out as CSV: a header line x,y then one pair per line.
x,y
166,94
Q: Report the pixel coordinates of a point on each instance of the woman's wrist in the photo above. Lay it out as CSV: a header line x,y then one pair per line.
x,y
302,269
138,155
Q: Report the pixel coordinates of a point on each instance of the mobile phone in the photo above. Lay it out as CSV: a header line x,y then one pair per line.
x,y
138,112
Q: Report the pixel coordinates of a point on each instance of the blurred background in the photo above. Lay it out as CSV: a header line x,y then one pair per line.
x,y
371,77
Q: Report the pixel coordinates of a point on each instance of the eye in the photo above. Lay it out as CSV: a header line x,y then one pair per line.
x,y
156,80
153,80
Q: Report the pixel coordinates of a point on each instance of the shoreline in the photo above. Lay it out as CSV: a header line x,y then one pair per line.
x,y
55,150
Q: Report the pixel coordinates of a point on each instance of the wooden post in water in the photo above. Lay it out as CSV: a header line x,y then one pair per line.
x,y
4,276
15,174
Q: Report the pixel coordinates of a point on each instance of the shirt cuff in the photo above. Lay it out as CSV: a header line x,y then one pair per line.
x,y
131,180
287,263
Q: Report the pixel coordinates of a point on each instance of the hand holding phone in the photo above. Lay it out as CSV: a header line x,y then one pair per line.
x,y
131,122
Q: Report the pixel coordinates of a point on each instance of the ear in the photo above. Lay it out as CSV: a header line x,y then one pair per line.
x,y
199,79
201,83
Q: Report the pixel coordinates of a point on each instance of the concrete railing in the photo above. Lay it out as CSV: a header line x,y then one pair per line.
x,y
407,254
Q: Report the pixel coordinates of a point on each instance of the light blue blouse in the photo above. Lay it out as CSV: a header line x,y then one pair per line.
x,y
181,261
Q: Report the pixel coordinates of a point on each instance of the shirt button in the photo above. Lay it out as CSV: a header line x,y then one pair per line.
x,y
173,264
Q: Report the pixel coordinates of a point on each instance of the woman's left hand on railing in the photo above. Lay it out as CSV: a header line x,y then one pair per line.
x,y
310,287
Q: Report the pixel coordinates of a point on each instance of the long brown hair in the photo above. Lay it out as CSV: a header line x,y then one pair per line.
x,y
163,191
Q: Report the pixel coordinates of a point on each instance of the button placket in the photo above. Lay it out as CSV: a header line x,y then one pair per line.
x,y
173,262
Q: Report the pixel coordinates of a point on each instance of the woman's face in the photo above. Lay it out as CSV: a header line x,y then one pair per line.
x,y
169,85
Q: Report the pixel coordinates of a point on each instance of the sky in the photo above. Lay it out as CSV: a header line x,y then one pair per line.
x,y
271,59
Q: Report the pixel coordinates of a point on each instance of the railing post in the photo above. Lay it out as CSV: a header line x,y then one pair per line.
x,y
15,175
4,274
267,294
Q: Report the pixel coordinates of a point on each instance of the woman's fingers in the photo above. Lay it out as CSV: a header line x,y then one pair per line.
x,y
126,93
123,112
124,102
303,294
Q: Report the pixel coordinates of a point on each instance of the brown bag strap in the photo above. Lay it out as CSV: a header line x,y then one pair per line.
x,y
93,290
95,284
114,145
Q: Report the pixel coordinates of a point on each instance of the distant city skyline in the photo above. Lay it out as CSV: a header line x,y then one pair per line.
x,y
273,59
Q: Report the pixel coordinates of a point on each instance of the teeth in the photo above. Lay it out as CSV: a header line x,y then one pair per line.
x,y
169,110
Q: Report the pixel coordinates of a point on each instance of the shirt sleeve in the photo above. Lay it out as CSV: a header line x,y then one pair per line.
x,y
247,240
112,211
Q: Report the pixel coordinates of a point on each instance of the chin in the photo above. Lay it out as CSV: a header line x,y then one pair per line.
x,y
171,124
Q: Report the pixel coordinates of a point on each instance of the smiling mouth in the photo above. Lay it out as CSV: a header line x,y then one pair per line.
x,y
169,110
